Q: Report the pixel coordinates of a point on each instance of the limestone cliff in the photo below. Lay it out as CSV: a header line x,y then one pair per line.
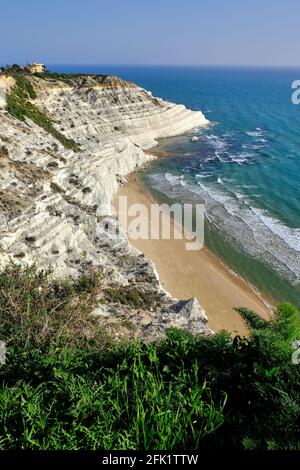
x,y
53,198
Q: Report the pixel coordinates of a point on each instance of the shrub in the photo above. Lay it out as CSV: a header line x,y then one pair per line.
x,y
129,296
37,311
66,385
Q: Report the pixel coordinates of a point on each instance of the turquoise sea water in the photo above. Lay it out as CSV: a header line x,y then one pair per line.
x,y
245,167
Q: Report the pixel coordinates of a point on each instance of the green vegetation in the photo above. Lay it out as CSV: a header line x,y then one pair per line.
x,y
80,79
129,296
20,106
68,78
14,68
62,77
67,385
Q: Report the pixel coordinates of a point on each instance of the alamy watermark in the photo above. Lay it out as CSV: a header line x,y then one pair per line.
x,y
157,222
296,353
296,94
2,352
2,96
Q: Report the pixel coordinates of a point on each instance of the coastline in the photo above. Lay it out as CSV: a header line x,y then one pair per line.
x,y
186,274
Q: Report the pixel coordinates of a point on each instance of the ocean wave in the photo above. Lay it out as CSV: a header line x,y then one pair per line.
x,y
253,146
229,134
260,234
210,159
240,196
258,133
217,142
173,179
252,229
228,148
292,235
243,157
208,175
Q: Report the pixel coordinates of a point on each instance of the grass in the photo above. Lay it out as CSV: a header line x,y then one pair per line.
x,y
129,296
36,311
127,406
67,385
69,78
20,106
53,76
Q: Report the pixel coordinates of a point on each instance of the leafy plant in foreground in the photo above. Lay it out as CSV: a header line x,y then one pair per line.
x,y
67,385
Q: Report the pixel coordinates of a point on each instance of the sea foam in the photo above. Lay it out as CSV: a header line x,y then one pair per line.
x,y
251,229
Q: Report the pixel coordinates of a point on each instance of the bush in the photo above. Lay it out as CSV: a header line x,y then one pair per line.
x,y
260,380
38,312
129,296
66,385
80,403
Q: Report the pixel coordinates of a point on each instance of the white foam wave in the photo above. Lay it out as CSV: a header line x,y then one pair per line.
x,y
172,179
222,148
259,233
208,175
243,157
255,231
256,133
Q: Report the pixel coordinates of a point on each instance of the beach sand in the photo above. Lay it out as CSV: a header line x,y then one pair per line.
x,y
186,274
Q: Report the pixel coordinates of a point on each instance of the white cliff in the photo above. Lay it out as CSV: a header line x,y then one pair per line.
x,y
53,200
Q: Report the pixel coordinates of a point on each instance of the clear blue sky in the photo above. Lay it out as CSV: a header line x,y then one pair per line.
x,y
262,32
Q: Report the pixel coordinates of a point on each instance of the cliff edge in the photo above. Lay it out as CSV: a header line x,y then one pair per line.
x,y
66,143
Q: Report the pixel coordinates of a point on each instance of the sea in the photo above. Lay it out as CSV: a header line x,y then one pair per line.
x,y
245,166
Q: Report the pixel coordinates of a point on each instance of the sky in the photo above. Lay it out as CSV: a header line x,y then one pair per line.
x,y
164,32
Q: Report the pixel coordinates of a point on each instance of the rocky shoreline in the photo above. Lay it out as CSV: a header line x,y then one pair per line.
x,y
53,198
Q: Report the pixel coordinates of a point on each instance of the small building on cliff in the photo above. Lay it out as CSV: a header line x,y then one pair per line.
x,y
36,68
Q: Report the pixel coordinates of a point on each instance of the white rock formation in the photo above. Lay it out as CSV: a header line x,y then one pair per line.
x,y
53,199
6,83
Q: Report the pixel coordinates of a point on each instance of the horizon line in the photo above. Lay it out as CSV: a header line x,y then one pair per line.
x,y
164,65
177,65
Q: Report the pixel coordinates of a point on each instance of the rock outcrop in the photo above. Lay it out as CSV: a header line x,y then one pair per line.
x,y
52,199
6,83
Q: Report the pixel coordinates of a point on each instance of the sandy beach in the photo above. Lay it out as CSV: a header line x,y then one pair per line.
x,y
185,274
